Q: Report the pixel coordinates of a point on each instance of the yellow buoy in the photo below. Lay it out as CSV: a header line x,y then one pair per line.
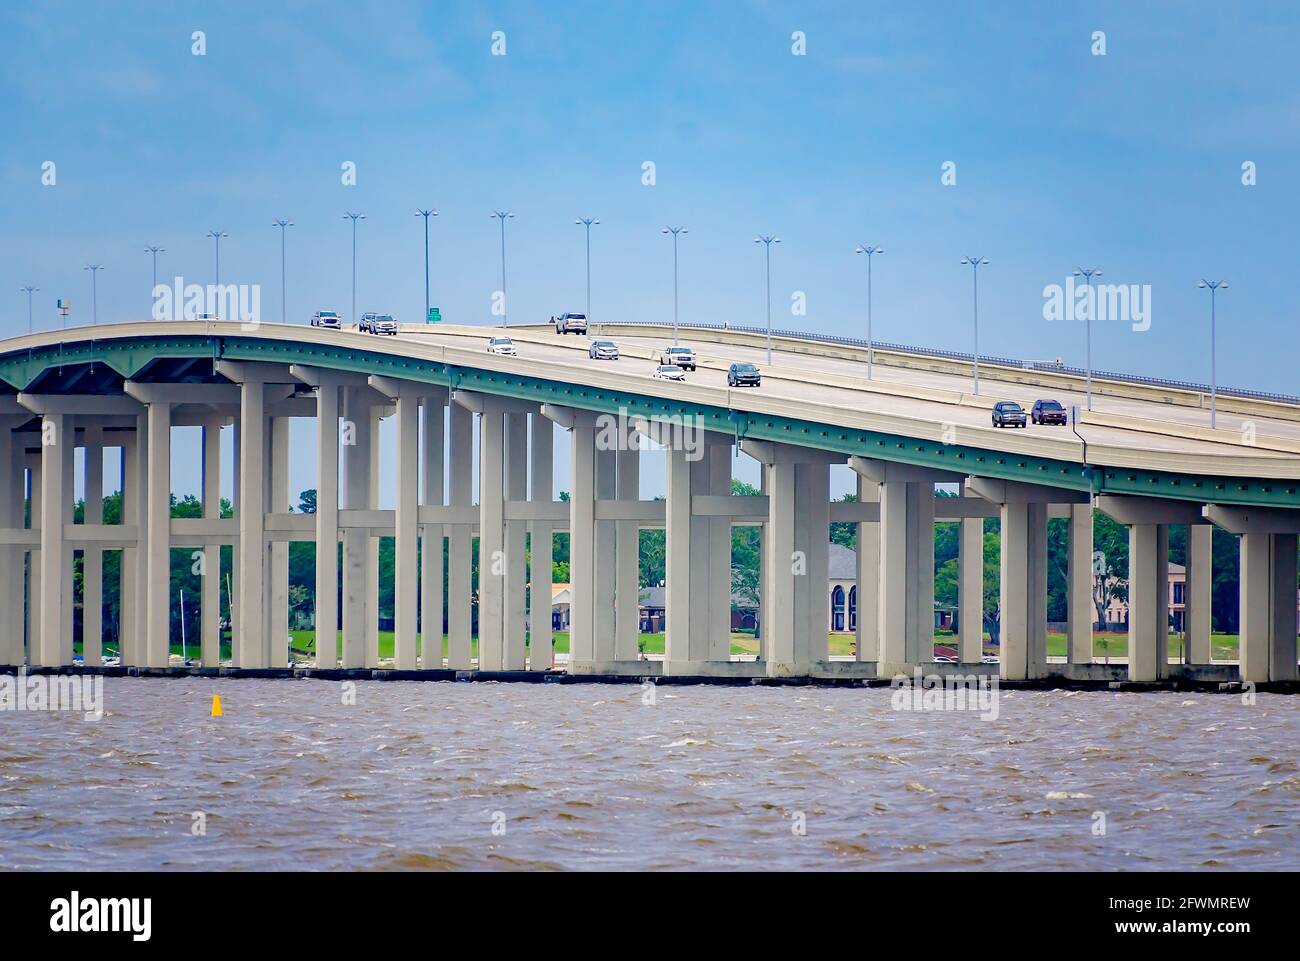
x,y
216,705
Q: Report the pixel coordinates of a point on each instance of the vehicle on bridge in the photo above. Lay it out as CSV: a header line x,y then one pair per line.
x,y
373,323
327,318
683,357
1048,412
603,350
668,372
743,375
570,323
503,346
1007,413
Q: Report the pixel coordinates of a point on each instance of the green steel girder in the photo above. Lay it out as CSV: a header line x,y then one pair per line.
x,y
129,356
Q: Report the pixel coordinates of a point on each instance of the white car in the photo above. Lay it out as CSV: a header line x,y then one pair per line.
x,y
668,372
503,346
603,350
570,323
326,318
373,323
683,357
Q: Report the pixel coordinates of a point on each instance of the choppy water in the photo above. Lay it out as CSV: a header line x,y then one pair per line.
x,y
586,776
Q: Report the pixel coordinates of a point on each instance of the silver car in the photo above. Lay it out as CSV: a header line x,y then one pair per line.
x,y
603,350
668,372
326,318
372,323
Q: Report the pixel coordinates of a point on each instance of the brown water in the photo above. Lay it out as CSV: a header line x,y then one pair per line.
x,y
587,776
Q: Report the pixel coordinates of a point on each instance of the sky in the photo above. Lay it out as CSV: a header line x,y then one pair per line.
x,y
829,125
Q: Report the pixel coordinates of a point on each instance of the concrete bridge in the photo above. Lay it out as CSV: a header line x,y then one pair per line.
x,y
1147,458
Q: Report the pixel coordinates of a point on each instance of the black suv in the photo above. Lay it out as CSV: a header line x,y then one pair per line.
x,y
1048,412
743,375
1007,413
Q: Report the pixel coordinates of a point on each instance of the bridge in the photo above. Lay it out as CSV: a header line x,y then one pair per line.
x,y
1146,456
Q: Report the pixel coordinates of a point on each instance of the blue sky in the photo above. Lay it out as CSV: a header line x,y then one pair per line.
x,y
1131,161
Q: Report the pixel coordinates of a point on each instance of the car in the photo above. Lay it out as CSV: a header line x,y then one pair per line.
x,y
570,323
743,375
990,659
683,357
603,350
668,372
1008,413
373,323
1048,412
326,318
944,659
503,346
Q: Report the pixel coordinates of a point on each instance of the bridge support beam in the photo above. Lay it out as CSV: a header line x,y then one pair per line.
x,y
1080,611
92,561
254,651
277,604
541,648
514,466
55,559
697,638
431,560
158,540
970,589
12,599
406,544
327,523
210,588
460,538
1197,591
796,556
358,602
867,630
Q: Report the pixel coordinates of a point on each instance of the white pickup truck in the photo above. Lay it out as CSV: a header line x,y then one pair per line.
x,y
570,323
683,357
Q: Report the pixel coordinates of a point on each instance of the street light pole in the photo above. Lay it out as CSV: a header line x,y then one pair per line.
x,y
503,216
426,214
284,303
216,236
675,231
870,251
587,222
29,290
767,241
354,218
94,292
1213,286
154,252
1087,273
975,264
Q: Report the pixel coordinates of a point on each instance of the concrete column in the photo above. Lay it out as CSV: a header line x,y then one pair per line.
x,y
233,584
12,577
604,561
129,627
254,651
372,549
970,591
514,466
796,565
906,575
460,539
1148,602
582,544
55,558
1197,593
431,565
541,653
34,567
67,502
92,562
210,590
158,541
1080,611
406,548
491,544
327,524
627,537
1268,607
277,633
1024,590
868,571
358,603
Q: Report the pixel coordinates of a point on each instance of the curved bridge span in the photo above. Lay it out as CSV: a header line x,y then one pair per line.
x,y
1145,456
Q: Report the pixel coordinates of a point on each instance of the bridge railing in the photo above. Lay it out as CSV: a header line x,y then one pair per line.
x,y
1038,365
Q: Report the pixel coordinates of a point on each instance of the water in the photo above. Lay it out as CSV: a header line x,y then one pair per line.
x,y
415,776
